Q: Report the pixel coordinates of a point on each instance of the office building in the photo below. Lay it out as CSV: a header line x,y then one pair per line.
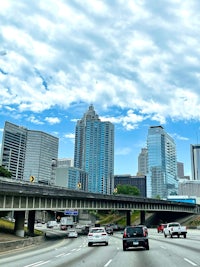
x,y
195,162
26,153
189,188
72,178
13,149
180,169
143,162
94,151
162,164
41,149
137,181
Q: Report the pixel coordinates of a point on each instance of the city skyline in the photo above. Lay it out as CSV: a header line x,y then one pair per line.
x,y
127,59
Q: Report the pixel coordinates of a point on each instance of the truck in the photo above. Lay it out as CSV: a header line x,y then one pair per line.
x,y
175,229
66,222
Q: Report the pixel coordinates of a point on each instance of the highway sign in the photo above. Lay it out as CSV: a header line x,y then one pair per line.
x,y
71,212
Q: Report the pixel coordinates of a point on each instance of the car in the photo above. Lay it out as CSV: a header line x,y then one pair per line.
x,y
161,227
97,235
109,230
51,224
72,233
135,236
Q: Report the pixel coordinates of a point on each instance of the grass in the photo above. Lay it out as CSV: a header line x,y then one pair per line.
x,y
116,217
8,227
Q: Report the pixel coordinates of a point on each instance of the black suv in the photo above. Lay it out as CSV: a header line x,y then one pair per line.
x,y
135,236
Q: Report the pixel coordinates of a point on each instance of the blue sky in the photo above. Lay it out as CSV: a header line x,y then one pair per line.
x,y
137,62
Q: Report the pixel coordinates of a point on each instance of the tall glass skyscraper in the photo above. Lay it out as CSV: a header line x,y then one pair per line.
x,y
94,151
162,164
195,161
28,153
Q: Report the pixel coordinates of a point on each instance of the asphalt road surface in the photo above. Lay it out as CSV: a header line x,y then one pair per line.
x,y
165,252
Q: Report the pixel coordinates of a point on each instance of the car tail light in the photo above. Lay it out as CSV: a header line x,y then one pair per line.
x,y
125,234
104,234
90,234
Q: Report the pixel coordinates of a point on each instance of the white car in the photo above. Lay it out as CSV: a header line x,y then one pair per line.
x,y
97,235
72,233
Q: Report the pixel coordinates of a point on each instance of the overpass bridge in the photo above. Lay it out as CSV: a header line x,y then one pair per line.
x,y
23,196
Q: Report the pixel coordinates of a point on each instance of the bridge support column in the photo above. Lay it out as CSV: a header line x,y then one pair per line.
x,y
31,222
128,217
19,223
142,217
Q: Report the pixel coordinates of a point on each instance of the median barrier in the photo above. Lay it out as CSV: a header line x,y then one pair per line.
x,y
20,243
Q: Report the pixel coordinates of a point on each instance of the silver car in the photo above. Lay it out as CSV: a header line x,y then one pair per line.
x,y
97,235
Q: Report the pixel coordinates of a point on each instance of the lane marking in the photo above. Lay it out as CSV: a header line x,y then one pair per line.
x,y
32,264
60,255
107,263
191,262
44,262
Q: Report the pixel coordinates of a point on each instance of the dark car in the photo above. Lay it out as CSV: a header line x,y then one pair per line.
x,y
109,230
161,227
135,236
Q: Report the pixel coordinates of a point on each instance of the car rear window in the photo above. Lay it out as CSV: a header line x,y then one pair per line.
x,y
134,231
99,230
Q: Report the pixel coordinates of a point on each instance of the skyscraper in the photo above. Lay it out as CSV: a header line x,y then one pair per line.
x,y
143,162
195,161
162,164
13,149
94,151
28,153
41,149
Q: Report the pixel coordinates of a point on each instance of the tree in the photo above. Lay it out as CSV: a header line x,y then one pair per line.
x,y
4,172
128,190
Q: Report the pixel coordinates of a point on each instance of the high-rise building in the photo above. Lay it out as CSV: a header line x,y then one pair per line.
x,y
13,149
26,153
143,162
195,161
41,149
94,151
162,163
180,169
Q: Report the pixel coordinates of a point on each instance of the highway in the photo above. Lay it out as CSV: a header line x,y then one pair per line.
x,y
165,252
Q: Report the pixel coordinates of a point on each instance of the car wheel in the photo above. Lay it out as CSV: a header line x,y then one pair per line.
x,y
89,244
184,235
106,243
147,247
124,248
165,235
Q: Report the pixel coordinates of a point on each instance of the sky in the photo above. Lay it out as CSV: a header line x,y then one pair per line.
x,y
136,61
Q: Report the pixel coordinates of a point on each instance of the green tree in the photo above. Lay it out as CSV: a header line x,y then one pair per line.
x,y
4,172
128,190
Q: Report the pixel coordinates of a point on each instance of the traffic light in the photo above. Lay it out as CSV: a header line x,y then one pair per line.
x,y
32,179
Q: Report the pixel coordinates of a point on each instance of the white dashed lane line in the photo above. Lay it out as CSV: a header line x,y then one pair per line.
x,y
191,262
106,265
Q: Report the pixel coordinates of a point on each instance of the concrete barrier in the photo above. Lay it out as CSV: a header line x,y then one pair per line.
x,y
17,244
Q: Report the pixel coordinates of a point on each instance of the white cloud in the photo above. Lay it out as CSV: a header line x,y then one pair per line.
x,y
141,61
52,120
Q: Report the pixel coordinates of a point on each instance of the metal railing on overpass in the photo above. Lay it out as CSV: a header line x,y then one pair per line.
x,y
16,195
